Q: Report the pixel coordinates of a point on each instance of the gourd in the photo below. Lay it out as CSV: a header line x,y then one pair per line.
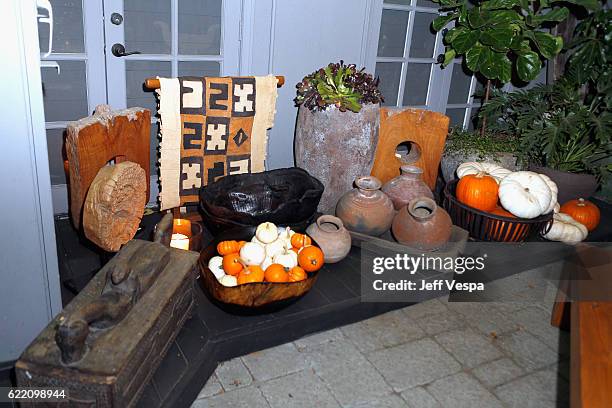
x,y
276,273
251,274
491,169
275,247
300,240
266,232
566,229
228,247
228,280
583,211
232,264
311,258
554,190
253,253
215,264
478,191
266,262
525,194
297,274
287,258
285,233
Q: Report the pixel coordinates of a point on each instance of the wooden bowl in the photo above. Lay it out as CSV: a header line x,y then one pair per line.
x,y
251,295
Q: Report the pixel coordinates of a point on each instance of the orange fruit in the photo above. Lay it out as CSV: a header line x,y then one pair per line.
x,y
310,258
297,274
300,240
231,264
276,273
251,274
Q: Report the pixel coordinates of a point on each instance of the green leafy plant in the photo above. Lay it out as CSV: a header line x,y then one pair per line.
x,y
340,85
485,146
498,37
554,126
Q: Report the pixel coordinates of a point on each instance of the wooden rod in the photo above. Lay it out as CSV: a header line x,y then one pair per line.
x,y
153,83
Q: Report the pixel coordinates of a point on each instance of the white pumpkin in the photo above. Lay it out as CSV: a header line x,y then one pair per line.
x,y
276,247
266,232
566,229
228,280
252,253
266,262
215,264
494,170
557,208
287,258
525,194
285,233
554,192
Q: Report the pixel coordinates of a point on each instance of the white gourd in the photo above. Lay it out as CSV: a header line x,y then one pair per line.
x,y
253,253
494,170
216,266
525,194
266,232
554,192
267,262
287,258
566,229
275,247
228,280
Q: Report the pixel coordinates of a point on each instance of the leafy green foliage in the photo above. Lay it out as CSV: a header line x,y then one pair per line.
x,y
338,85
555,127
485,145
498,37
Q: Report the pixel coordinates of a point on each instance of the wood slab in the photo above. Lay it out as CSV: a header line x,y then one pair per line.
x,y
425,128
115,204
95,140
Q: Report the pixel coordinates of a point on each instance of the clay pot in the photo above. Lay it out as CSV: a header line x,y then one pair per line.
x,y
407,186
331,236
336,147
422,225
366,209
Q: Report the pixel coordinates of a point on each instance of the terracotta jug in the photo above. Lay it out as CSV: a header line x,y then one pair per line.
x,y
333,239
422,224
366,209
407,186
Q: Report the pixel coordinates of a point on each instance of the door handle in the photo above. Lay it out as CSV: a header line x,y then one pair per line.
x,y
118,50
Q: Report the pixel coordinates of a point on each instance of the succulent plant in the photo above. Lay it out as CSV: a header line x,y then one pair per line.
x,y
340,85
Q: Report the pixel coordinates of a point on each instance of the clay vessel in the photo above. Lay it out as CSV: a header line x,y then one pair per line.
x,y
407,186
331,236
336,147
366,209
422,225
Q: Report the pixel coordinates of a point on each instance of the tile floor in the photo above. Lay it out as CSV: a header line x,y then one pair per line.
x,y
433,354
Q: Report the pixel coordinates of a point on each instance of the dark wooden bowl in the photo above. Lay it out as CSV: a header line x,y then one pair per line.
x,y
251,295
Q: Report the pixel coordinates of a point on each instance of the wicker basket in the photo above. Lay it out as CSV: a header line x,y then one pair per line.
x,y
484,226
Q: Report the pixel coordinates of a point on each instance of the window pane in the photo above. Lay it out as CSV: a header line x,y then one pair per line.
x,y
55,143
456,116
147,26
392,35
65,95
199,68
135,74
402,2
199,27
423,37
67,27
389,74
427,3
417,82
460,85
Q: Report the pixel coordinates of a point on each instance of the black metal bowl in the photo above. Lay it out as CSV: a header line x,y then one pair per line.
x,y
284,196
484,226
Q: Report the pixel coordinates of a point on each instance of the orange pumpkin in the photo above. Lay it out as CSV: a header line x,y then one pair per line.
x,y
498,230
478,191
300,240
276,273
583,211
296,274
310,258
227,247
251,274
232,264
241,244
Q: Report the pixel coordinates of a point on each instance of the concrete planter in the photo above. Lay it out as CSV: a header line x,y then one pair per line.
x,y
336,147
571,185
450,162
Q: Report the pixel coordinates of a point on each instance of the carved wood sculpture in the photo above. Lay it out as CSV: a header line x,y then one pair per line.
x,y
424,128
95,140
115,204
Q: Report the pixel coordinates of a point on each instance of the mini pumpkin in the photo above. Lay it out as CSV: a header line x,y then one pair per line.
x,y
583,211
232,264
266,232
310,258
300,240
491,169
276,273
228,280
228,247
253,253
525,194
215,264
251,274
566,229
287,258
297,274
478,191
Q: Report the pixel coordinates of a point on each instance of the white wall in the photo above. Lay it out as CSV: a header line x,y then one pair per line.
x,y
29,279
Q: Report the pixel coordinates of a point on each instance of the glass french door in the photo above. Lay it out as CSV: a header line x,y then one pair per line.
x,y
148,38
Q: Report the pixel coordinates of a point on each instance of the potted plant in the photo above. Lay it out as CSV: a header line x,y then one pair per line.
x,y
337,127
